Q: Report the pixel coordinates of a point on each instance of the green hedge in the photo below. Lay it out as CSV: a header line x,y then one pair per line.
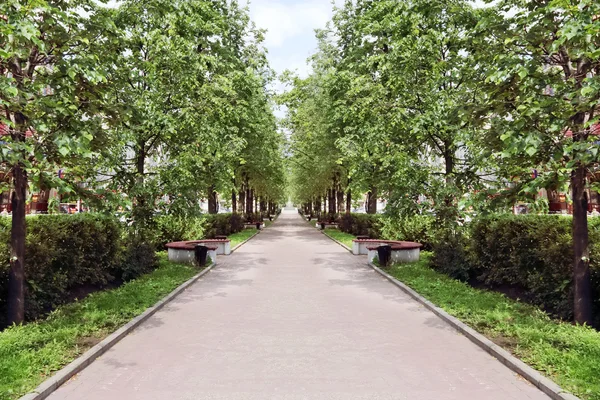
x,y
223,224
176,229
361,225
529,256
417,228
64,252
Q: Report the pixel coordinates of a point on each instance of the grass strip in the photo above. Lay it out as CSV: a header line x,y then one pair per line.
x,y
567,354
31,353
240,237
340,236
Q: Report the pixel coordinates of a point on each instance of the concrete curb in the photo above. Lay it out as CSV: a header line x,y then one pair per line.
x,y
546,385
337,241
244,242
47,387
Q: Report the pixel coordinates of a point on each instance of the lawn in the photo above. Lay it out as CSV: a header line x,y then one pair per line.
x,y
31,353
340,236
568,354
240,237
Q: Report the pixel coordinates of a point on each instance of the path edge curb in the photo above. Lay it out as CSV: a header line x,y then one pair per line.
x,y
546,385
245,241
51,384
337,241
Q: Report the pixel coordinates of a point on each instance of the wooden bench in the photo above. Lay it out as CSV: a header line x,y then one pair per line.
x,y
185,252
402,251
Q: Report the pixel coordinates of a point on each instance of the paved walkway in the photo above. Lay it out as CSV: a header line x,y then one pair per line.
x,y
292,315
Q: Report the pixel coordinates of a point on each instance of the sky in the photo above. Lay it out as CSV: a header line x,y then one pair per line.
x,y
290,37
290,26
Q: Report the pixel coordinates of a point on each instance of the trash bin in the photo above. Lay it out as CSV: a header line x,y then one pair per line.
x,y
384,252
323,225
258,224
201,252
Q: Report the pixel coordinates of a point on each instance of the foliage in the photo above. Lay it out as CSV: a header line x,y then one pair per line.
x,y
542,86
139,259
175,228
52,88
29,353
223,225
416,228
361,225
533,253
64,252
450,254
568,354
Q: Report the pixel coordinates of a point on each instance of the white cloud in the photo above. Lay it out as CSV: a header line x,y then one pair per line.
x,y
285,20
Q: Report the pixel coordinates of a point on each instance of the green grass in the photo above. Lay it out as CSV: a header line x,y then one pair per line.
x,y
568,354
340,236
240,237
31,353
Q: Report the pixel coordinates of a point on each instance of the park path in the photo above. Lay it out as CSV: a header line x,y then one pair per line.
x,y
292,315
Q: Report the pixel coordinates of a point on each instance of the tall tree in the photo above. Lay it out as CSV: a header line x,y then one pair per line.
x,y
51,97
543,64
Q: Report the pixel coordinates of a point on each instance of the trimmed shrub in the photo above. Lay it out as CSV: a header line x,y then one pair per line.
x,y
140,258
450,254
63,252
223,224
526,256
361,225
177,229
417,228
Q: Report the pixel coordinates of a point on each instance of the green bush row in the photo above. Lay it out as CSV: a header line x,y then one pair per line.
x,y
66,255
361,225
526,256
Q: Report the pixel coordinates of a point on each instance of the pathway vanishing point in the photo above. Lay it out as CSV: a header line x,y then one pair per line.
x,y
292,315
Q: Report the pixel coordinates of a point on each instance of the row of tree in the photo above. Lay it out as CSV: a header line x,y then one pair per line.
x,y
442,107
144,107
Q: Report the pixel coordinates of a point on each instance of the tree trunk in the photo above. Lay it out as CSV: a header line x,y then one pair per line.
x,y
242,200
212,200
581,263
340,201
263,205
349,201
332,201
16,277
233,201
372,201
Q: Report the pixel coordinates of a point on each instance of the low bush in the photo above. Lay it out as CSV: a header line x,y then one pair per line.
x,y
223,224
524,256
361,225
417,228
139,259
532,253
177,229
450,254
64,252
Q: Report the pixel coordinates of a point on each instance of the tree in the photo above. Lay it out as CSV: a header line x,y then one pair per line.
x,y
51,96
542,96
